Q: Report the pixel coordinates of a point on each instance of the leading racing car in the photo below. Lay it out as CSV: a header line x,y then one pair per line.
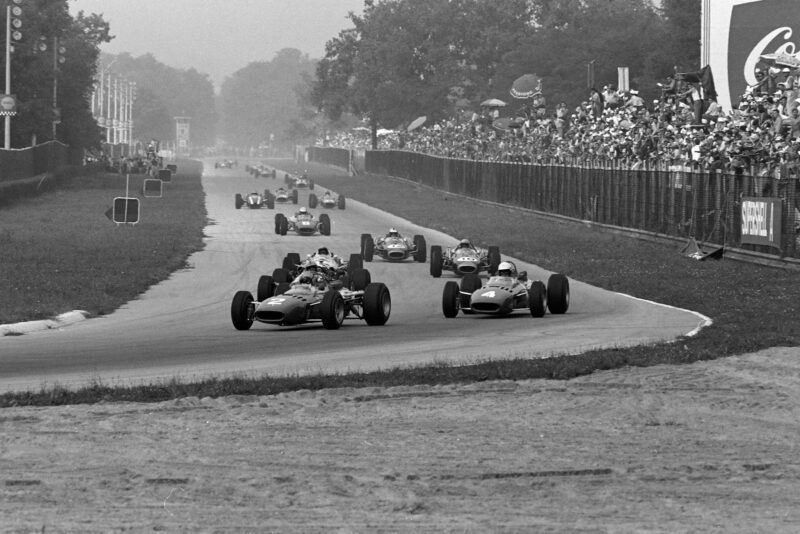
x,y
311,297
394,247
254,200
506,292
464,258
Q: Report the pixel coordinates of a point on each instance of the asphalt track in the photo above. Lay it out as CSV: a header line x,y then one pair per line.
x,y
181,328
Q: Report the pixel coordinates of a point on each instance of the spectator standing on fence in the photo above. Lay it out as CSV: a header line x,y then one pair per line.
x,y
610,97
596,103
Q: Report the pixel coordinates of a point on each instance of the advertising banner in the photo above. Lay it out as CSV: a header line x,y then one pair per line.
x,y
738,35
761,221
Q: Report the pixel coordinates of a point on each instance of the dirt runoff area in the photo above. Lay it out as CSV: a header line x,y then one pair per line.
x,y
707,447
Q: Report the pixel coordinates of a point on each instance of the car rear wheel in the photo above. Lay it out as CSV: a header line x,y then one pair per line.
x,y
294,196
340,202
239,201
494,259
282,288
537,299
312,201
270,202
266,288
377,304
450,299
360,279
284,225
280,275
558,293
278,217
367,247
331,310
356,262
436,261
240,310
422,249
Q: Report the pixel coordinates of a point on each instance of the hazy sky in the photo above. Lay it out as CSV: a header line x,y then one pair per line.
x,y
219,37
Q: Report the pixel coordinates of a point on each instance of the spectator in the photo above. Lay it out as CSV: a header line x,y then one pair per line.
x,y
596,103
610,97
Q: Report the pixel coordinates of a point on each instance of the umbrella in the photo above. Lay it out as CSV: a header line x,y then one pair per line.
x,y
785,60
416,123
526,86
384,131
493,103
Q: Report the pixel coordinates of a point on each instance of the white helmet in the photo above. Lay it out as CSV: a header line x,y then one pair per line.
x,y
393,232
506,268
464,243
302,210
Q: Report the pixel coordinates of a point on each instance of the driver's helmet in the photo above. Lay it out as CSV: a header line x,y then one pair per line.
x,y
302,211
323,251
506,268
393,233
464,243
327,194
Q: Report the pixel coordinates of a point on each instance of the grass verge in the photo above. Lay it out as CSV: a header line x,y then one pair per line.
x,y
753,307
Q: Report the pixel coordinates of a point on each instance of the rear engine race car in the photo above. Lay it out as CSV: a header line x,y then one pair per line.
x,y
324,261
505,293
225,164
299,182
302,223
312,298
263,170
281,195
254,200
394,247
327,200
464,258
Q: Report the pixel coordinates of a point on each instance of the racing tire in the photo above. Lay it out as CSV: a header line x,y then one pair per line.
x,y
356,262
558,294
332,310
284,225
537,299
281,275
270,202
360,279
422,249
312,201
311,184
367,247
494,259
469,284
287,178
266,288
239,201
451,299
240,310
294,196
340,202
324,224
295,257
274,174
278,222
282,288
436,261
377,304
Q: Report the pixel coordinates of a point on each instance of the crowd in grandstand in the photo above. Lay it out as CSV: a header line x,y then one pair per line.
x,y
683,127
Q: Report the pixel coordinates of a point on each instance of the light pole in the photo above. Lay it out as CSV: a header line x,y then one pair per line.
x,y
58,58
8,102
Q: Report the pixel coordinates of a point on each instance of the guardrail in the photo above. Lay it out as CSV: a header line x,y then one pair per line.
x,y
16,164
750,213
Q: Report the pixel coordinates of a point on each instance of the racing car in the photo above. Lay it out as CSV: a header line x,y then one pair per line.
x,y
327,200
506,292
300,182
263,170
464,258
225,164
303,223
254,200
394,247
325,261
283,196
311,297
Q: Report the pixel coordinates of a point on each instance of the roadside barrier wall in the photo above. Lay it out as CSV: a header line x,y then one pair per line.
x,y
16,164
751,213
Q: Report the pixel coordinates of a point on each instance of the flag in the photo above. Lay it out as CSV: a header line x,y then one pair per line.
x,y
704,77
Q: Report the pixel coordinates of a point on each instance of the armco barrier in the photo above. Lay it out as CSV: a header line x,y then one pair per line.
x,y
672,202
16,164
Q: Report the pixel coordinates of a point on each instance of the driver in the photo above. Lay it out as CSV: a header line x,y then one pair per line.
x,y
507,269
303,212
464,243
393,233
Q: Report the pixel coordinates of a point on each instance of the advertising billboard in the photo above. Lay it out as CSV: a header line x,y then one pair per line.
x,y
737,33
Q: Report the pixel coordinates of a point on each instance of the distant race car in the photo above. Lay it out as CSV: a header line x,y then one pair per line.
x,y
225,164
394,247
282,195
263,170
327,200
505,293
300,182
312,297
254,200
303,223
464,258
